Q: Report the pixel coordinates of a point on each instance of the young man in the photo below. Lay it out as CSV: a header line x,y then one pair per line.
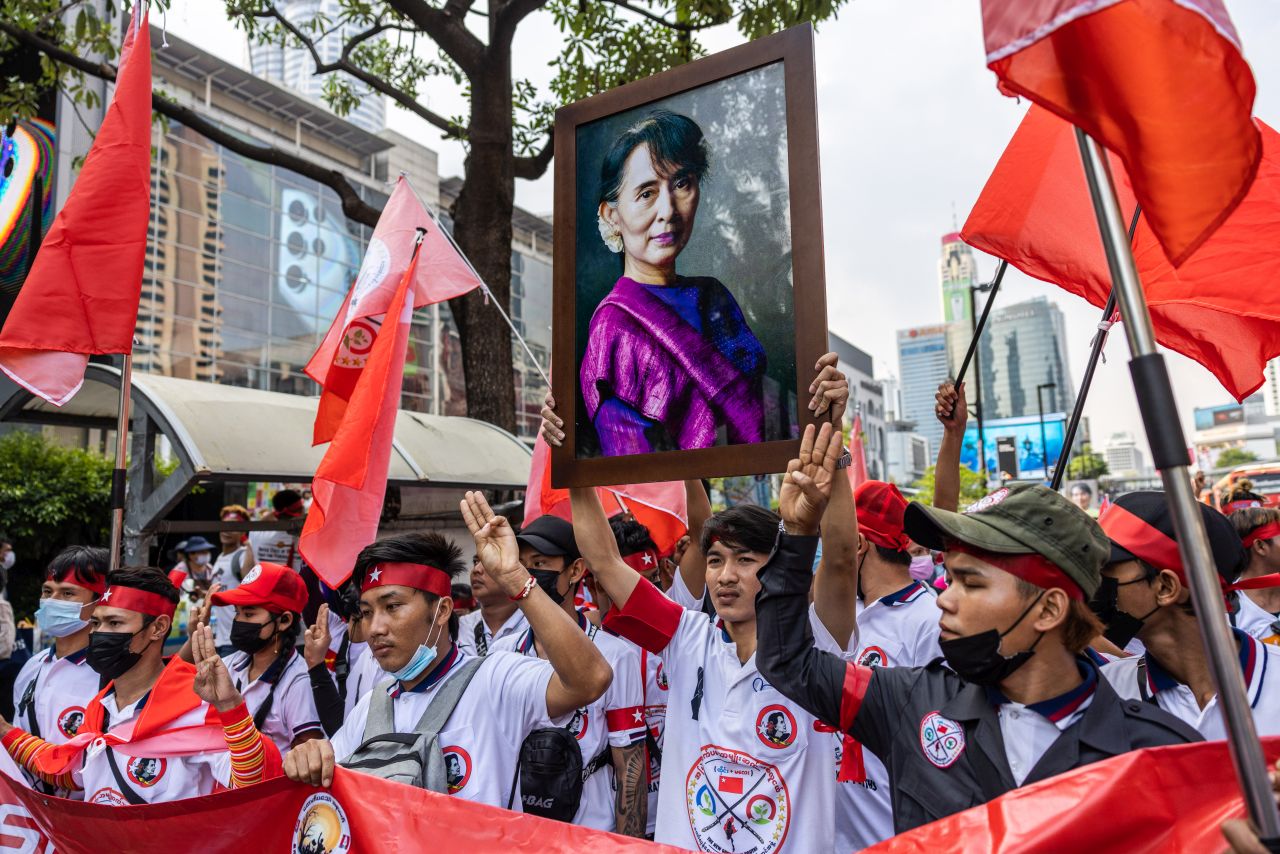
x,y
897,621
54,687
1255,610
279,546
404,584
232,563
496,618
1015,702
266,667
1145,594
124,752
610,731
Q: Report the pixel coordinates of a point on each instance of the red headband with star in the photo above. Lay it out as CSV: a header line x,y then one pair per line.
x,y
642,561
142,601
419,576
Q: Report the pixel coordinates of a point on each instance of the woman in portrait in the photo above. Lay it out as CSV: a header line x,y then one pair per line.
x,y
670,362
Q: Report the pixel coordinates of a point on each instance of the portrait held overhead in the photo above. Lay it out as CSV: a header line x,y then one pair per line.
x,y
688,274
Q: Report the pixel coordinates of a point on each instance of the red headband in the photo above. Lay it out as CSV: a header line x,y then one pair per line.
x,y
1032,568
419,576
1262,532
99,586
1241,504
133,599
642,561
1143,539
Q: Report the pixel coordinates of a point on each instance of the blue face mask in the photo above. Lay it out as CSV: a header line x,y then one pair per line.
x,y
422,659
59,618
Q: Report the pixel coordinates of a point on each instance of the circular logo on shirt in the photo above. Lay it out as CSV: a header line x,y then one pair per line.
x,y
457,768
873,656
942,739
109,796
661,678
70,719
322,827
578,726
776,727
252,576
146,772
736,803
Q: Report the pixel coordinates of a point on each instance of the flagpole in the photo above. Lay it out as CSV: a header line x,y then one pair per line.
x,y
119,473
982,322
1169,451
1099,342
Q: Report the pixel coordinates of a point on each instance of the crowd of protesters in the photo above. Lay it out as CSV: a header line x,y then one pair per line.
x,y
815,679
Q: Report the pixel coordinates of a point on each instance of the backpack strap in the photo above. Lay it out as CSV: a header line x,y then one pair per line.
x,y
600,760
436,716
482,642
27,705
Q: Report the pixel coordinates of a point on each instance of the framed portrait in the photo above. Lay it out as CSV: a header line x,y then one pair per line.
x,y
689,291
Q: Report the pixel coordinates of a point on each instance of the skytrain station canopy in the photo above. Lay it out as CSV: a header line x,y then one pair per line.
x,y
228,434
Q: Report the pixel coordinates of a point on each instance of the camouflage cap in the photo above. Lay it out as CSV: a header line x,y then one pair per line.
x,y
1021,519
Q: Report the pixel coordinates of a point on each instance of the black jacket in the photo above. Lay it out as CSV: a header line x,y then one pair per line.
x,y
901,704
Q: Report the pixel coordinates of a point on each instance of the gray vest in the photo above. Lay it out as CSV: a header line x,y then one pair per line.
x,y
410,757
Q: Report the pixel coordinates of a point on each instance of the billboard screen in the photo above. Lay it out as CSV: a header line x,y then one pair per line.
x,y
1020,438
1208,417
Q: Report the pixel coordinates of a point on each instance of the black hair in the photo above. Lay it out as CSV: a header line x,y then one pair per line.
x,y
415,547
460,590
1082,487
150,579
676,144
898,556
630,535
285,499
87,565
746,526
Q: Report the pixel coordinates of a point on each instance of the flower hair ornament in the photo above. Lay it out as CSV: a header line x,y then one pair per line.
x,y
610,234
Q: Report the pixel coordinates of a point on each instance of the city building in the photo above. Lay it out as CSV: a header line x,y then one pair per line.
x,y
866,396
957,273
907,453
1271,388
1025,346
1124,458
1245,427
294,67
923,365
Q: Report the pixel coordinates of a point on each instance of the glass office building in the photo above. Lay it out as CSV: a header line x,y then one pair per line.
x,y
923,366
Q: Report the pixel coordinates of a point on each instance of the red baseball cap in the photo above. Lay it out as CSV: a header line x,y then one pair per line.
x,y
880,508
268,585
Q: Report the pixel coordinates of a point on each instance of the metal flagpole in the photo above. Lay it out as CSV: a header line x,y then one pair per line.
x,y
972,355
119,473
1099,342
982,321
1169,450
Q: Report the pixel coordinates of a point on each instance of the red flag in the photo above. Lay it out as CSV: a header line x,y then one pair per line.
x,y
858,469
1220,308
442,274
660,507
1187,792
81,296
351,482
1162,83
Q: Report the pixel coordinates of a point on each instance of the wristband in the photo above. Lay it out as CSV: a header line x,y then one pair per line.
x,y
524,593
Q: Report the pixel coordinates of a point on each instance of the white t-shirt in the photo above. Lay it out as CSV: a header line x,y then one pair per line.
x,y
480,744
280,547
679,593
897,630
655,716
293,706
616,719
1259,662
222,616
63,688
365,673
155,780
467,623
1253,618
749,773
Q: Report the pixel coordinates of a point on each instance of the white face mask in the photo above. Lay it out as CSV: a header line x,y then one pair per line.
x,y
7,560
201,559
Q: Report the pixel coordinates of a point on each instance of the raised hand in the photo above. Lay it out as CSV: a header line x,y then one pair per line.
x,y
316,640
830,390
552,423
212,682
806,487
206,605
496,545
951,407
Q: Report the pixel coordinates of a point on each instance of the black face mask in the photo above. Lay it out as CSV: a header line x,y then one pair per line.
x,y
1122,627
109,654
245,636
977,658
548,580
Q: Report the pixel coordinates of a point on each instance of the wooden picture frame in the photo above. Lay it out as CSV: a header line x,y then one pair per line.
x,y
787,57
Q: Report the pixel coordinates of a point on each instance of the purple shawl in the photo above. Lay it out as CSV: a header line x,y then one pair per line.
x,y
641,352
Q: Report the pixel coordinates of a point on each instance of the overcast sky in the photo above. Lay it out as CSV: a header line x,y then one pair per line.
x,y
910,124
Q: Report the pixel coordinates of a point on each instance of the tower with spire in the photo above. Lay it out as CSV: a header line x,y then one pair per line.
x,y
957,271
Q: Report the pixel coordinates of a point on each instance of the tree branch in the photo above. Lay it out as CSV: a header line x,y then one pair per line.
x,y
352,205
447,30
510,15
652,16
532,168
373,81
